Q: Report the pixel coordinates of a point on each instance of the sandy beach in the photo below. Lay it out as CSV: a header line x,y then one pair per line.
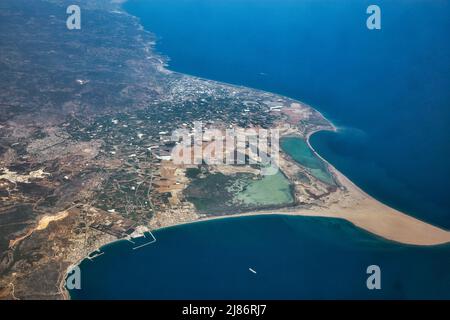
x,y
350,203
371,215
367,213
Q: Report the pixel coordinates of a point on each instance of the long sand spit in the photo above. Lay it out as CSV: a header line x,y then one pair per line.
x,y
370,214
367,213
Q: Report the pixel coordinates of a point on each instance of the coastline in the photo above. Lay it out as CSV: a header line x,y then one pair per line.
x,y
421,232
341,177
363,211
368,214
360,209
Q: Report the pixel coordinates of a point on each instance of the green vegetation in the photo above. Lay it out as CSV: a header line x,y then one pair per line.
x,y
192,173
208,194
218,193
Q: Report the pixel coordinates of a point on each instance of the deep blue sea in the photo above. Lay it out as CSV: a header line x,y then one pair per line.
x,y
388,92
294,258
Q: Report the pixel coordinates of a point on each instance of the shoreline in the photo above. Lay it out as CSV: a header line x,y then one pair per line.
x,y
165,59
387,223
366,213
421,227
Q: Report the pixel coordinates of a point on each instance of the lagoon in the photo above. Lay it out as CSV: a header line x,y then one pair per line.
x,y
270,190
298,149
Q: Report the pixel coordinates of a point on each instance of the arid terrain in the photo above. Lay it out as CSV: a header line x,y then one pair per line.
x,y
86,123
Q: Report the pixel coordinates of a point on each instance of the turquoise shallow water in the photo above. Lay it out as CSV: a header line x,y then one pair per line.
x,y
299,150
294,257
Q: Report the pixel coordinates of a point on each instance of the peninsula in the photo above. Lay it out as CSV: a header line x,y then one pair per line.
x,y
86,123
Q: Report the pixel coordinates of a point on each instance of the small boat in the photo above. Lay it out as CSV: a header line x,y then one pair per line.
x,y
251,270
